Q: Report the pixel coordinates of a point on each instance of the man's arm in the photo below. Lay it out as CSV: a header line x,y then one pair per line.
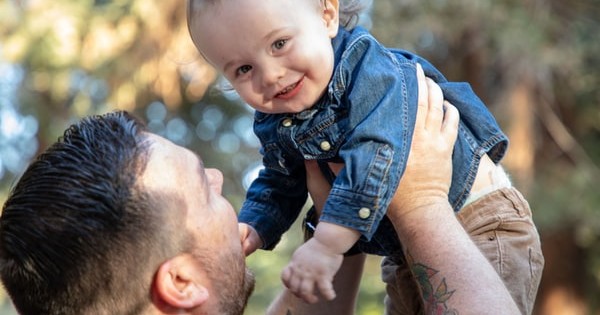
x,y
452,273
433,239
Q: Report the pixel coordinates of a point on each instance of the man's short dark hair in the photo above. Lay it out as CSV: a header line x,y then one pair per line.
x,y
75,233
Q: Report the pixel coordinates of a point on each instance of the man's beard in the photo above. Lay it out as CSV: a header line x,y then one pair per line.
x,y
233,298
234,283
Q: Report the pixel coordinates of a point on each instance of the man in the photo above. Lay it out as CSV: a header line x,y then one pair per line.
x,y
114,220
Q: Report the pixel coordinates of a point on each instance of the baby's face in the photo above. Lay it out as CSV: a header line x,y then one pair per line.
x,y
276,54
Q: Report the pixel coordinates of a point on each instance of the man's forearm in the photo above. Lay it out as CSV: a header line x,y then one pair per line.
x,y
452,273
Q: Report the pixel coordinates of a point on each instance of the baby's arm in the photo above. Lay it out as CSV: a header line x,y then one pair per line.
x,y
317,261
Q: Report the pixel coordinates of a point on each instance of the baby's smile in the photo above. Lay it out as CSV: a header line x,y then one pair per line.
x,y
291,90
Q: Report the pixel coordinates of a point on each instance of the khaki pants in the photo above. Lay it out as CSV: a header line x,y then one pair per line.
x,y
501,226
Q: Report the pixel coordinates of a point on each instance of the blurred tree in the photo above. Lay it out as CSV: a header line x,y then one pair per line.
x,y
535,63
83,57
62,60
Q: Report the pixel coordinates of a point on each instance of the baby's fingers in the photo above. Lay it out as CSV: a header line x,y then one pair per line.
x,y
326,289
303,289
287,278
307,292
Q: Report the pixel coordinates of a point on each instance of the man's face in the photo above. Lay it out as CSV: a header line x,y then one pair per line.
x,y
210,220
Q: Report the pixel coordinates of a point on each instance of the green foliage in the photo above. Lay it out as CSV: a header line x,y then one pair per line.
x,y
86,57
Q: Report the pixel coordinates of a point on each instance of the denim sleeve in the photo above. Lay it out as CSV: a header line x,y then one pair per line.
x,y
381,92
275,198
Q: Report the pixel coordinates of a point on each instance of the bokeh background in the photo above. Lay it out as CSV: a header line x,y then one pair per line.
x,y
536,64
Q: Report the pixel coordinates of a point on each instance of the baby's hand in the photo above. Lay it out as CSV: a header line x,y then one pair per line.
x,y
249,238
312,263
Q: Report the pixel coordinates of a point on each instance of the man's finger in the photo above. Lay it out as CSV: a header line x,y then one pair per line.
x,y
435,112
422,99
450,123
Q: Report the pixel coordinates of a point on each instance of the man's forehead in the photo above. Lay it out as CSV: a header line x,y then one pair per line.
x,y
166,147
169,163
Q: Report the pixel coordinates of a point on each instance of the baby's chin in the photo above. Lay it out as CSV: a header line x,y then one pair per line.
x,y
292,108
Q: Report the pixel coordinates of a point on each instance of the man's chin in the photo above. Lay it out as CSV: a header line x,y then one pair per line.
x,y
237,298
249,282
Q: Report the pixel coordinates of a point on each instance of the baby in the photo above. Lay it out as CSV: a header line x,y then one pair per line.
x,y
325,91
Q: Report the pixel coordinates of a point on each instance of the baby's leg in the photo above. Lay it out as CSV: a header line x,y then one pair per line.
x,y
500,224
490,177
499,220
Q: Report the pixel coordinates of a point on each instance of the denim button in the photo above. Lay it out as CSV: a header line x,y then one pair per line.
x,y
325,146
364,213
287,122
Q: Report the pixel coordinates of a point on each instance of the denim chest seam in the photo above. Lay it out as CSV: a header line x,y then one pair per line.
x,y
304,136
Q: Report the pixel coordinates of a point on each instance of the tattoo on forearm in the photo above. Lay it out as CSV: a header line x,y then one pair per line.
x,y
435,300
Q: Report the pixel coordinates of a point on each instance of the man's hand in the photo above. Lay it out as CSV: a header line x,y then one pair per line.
x,y
422,184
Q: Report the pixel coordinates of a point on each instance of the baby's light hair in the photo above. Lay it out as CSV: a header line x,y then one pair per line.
x,y
349,14
350,11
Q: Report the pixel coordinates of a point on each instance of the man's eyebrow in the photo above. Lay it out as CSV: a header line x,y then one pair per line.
x,y
200,167
200,162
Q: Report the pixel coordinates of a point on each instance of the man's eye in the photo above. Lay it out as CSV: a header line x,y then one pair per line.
x,y
244,69
279,44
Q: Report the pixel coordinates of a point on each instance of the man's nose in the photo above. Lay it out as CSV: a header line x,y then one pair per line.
x,y
215,178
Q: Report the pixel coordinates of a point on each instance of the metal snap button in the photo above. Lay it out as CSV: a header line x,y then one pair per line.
x,y
364,213
287,122
325,146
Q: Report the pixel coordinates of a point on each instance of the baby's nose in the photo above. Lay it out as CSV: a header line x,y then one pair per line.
x,y
272,74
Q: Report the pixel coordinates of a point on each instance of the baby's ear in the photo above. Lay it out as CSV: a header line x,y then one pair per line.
x,y
331,16
177,285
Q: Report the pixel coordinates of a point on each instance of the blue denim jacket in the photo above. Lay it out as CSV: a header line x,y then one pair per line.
x,y
365,119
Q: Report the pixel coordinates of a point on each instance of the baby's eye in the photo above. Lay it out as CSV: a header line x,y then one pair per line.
x,y
278,44
243,69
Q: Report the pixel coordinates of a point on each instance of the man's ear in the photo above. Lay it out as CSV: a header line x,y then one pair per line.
x,y
331,16
177,284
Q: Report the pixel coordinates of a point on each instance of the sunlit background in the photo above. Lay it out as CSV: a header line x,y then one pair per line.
x,y
535,63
